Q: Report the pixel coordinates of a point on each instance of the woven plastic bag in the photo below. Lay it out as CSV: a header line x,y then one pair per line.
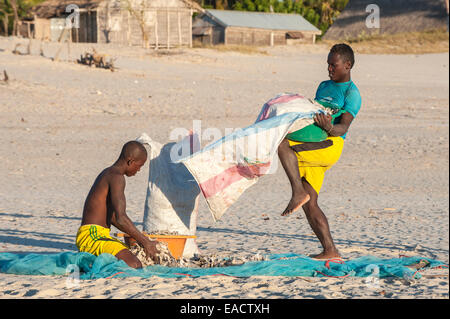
x,y
172,194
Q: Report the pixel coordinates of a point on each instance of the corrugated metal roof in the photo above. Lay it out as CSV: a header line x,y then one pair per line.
x,y
262,20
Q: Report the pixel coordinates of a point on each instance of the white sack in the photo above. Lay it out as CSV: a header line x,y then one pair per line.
x,y
172,194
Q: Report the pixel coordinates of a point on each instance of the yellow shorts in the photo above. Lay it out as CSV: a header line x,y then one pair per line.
x,y
314,163
96,240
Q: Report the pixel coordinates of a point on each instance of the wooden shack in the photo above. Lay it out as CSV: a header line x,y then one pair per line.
x,y
252,28
148,23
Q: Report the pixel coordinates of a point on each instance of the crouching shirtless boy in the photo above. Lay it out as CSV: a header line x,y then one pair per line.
x,y
105,205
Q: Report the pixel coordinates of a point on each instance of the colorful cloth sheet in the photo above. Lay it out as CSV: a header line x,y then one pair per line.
x,y
225,168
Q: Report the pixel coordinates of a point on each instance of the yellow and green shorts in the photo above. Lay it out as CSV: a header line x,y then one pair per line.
x,y
96,240
315,158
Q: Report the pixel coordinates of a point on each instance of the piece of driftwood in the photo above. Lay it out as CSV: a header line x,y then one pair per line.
x,y
97,59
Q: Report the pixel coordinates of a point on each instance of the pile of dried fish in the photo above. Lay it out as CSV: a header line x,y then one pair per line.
x,y
164,232
208,261
164,258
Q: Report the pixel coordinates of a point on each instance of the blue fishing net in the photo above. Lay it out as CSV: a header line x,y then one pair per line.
x,y
106,265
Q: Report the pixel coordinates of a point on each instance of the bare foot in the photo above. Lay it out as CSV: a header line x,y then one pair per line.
x,y
295,203
326,255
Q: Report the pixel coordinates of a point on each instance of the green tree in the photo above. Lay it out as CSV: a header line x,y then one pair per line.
x,y
5,12
12,11
320,13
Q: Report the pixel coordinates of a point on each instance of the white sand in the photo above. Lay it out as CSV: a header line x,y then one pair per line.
x,y
75,120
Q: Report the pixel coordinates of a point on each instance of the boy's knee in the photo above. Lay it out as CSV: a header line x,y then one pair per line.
x,y
130,259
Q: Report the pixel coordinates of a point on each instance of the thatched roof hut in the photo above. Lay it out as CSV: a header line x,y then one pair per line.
x,y
57,8
160,23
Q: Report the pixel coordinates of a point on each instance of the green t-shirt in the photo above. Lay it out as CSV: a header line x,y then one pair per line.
x,y
343,96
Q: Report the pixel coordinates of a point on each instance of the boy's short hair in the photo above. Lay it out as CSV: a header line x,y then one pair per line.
x,y
133,149
345,51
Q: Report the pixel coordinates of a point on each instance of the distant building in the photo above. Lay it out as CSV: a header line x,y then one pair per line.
x,y
166,23
252,28
394,16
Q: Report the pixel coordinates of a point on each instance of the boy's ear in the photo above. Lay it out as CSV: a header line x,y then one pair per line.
x,y
348,65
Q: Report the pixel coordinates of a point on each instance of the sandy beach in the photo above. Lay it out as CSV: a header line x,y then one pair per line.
x,y
62,123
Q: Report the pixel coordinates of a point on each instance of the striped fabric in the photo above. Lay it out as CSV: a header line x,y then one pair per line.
x,y
225,168
94,235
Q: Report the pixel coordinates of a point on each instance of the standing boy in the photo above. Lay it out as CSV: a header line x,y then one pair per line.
x,y
305,163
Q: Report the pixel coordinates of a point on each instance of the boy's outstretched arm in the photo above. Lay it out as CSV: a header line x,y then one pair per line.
x,y
120,219
324,121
